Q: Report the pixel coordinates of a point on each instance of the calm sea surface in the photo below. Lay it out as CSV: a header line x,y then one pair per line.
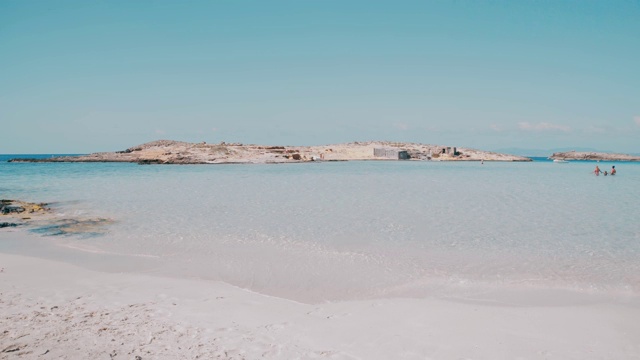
x,y
347,230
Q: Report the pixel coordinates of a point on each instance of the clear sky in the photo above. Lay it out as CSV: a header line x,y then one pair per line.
x,y
87,75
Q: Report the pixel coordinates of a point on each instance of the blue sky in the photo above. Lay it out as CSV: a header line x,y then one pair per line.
x,y
85,76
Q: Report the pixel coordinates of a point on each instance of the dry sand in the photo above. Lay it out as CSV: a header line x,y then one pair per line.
x,y
51,310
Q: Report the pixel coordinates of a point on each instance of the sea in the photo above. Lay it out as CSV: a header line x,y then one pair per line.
x,y
336,231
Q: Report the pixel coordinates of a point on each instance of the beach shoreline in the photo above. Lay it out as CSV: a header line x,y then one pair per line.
x,y
66,296
57,310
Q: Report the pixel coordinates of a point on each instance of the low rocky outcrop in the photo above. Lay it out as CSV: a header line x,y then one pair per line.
x,y
177,152
581,155
19,207
41,219
15,213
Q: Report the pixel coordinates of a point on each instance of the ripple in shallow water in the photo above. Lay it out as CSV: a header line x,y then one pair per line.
x,y
351,230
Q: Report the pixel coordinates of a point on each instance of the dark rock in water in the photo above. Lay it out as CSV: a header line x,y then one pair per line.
x,y
11,209
149,161
32,160
7,224
16,207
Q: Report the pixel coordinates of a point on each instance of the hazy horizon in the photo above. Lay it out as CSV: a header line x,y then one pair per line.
x,y
83,77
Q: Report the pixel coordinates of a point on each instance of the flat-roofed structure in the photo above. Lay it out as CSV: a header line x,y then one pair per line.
x,y
391,154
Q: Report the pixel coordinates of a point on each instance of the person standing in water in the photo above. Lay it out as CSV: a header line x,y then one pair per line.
x,y
613,170
597,171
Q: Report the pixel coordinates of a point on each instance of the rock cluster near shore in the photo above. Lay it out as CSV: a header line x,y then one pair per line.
x,y
17,213
41,219
581,155
19,207
176,152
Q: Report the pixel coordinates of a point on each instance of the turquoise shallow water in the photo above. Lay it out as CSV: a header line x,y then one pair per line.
x,y
332,231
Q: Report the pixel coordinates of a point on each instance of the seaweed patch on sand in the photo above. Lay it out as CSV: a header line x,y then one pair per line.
x,y
68,227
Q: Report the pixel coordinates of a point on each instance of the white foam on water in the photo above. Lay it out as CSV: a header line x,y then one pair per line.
x,y
333,231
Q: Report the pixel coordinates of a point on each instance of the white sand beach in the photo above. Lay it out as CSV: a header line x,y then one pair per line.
x,y
51,310
319,180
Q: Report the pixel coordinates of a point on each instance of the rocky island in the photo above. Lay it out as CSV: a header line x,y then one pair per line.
x,y
582,155
177,152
